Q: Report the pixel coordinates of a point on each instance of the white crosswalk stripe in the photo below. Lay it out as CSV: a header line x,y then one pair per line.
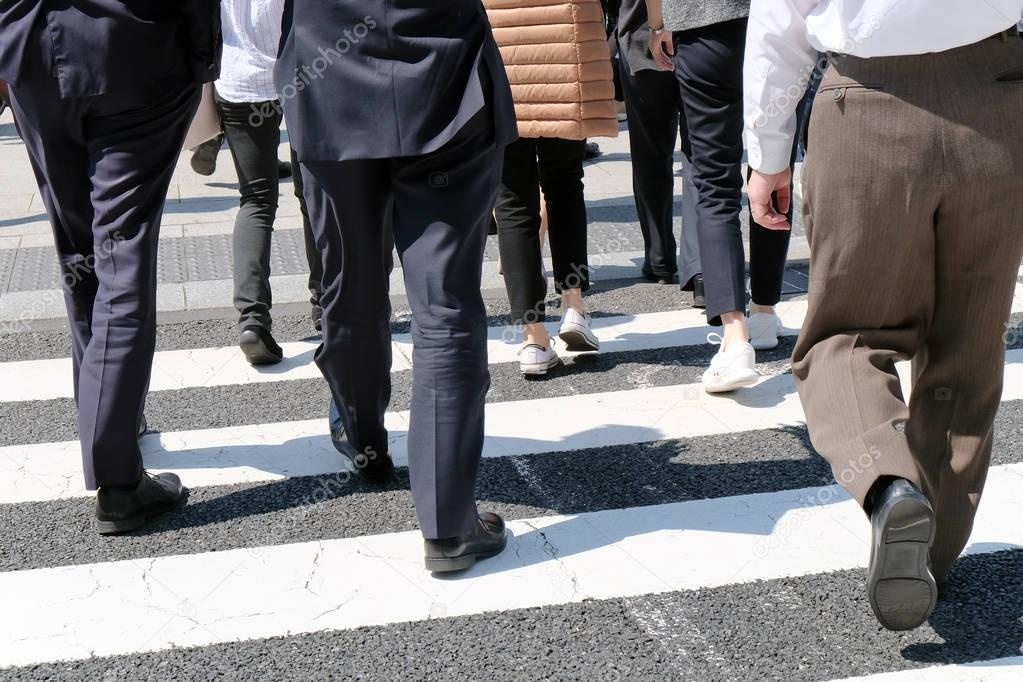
x,y
266,452
173,370
200,599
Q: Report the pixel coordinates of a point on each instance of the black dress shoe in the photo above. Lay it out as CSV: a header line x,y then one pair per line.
x,y
659,278
204,156
119,510
259,346
699,298
900,586
459,553
375,467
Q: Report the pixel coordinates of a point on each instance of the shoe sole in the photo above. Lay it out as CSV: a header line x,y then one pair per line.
x,y
737,382
768,344
130,524
660,279
578,340
257,353
539,370
900,586
460,563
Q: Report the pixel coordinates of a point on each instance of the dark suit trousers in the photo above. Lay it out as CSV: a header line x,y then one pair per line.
x,y
103,165
708,65
915,247
656,120
312,253
436,209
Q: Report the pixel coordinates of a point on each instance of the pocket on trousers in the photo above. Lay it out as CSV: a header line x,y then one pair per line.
x,y
838,91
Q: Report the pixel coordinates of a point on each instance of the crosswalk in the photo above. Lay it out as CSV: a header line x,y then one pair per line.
x,y
658,532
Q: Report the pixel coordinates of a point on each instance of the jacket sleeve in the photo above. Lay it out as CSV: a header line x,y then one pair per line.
x,y
202,26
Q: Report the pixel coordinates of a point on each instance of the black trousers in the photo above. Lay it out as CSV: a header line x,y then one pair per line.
x,y
555,166
312,253
103,165
708,65
436,209
253,134
653,104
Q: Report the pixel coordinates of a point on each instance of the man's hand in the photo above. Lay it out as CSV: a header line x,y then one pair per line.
x,y
662,48
769,198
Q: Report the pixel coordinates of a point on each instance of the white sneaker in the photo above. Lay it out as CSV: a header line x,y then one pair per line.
x,y
577,333
730,369
535,360
764,329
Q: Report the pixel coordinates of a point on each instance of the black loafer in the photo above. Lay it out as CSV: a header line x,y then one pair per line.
x,y
900,585
656,278
699,297
259,346
204,157
488,539
119,510
375,468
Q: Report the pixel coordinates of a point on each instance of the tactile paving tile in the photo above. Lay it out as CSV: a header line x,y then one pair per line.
x,y
170,265
611,229
6,266
608,237
208,257
287,253
34,268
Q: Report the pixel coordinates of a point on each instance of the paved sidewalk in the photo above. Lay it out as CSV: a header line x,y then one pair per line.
x,y
195,251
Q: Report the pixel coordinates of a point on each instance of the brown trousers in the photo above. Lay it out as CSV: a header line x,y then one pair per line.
x,y
913,205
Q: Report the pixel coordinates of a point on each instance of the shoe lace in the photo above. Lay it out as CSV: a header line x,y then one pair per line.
x,y
550,346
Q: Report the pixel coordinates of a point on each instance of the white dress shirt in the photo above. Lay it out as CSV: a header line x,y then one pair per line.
x,y
252,35
786,35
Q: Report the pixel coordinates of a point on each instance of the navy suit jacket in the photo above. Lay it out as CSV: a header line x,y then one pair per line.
x,y
370,79
99,46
